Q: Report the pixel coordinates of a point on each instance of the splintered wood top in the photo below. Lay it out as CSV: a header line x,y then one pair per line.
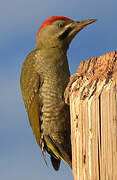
x,y
93,108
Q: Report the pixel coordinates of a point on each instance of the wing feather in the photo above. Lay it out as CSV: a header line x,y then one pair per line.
x,y
30,83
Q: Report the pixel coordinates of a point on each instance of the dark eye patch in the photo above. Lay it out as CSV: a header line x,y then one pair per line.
x,y
65,33
60,25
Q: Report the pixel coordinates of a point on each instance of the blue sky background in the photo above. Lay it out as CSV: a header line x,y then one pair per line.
x,y
20,157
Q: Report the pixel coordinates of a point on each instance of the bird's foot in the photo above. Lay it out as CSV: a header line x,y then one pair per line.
x,y
68,91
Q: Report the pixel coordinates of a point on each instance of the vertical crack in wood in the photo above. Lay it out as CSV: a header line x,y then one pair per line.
x,y
96,88
100,125
89,139
99,138
115,88
99,160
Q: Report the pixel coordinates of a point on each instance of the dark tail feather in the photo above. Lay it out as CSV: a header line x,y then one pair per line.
x,y
55,163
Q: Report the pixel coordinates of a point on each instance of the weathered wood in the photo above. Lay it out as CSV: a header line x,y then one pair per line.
x,y
93,106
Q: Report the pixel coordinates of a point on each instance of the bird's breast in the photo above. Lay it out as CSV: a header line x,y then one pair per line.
x,y
52,97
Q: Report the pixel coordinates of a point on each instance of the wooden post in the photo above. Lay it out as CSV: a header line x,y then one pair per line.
x,y
93,106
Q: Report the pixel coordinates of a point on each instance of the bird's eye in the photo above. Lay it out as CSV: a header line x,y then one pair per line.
x,y
60,25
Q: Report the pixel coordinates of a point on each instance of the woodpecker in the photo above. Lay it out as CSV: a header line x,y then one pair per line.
x,y
44,77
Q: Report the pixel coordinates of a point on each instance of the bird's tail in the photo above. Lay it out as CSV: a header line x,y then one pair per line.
x,y
58,153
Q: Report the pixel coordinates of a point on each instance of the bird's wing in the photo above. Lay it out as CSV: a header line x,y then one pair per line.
x,y
30,84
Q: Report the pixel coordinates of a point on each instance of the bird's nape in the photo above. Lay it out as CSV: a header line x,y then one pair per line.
x,y
44,78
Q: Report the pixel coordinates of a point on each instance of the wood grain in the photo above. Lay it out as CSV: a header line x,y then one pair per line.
x,y
93,107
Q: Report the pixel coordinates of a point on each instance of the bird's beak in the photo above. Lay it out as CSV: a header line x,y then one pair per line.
x,y
77,26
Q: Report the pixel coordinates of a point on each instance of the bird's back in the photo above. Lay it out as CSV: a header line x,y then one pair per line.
x,y
47,78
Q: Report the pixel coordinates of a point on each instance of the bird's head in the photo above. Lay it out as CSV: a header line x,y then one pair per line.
x,y
58,31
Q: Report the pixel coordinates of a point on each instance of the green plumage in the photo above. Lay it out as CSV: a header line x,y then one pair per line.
x,y
43,81
44,77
